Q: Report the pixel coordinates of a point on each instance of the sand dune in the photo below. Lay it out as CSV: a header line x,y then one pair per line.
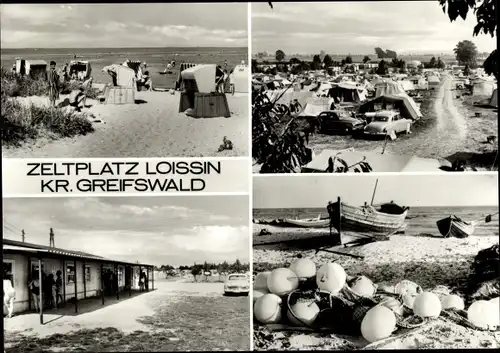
x,y
151,128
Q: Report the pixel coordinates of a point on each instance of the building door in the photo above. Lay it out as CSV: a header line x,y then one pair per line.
x,y
128,277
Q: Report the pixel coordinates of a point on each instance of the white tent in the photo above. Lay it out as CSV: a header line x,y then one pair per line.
x,y
315,106
407,85
388,88
483,87
239,78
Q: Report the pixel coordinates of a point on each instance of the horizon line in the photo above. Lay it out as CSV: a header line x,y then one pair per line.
x,y
174,47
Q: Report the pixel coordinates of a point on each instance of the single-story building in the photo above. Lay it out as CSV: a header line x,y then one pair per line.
x,y
83,275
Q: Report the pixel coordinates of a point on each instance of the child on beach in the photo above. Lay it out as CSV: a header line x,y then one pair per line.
x,y
9,293
53,81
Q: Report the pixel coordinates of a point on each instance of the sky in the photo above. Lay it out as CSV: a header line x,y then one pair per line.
x,y
172,230
359,27
123,25
302,191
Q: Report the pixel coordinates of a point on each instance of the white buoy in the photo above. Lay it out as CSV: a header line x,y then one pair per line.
x,y
453,301
305,313
267,309
481,314
364,287
427,304
260,280
303,268
282,281
378,323
331,278
257,293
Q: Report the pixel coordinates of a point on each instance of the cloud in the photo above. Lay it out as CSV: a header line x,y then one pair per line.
x,y
156,230
123,25
356,27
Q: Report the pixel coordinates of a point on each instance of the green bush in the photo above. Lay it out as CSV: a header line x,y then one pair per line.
x,y
22,122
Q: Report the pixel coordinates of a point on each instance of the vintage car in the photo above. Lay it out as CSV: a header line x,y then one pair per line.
x,y
386,122
338,121
237,283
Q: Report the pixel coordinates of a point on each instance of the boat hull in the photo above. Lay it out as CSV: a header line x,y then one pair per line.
x,y
453,227
321,223
368,219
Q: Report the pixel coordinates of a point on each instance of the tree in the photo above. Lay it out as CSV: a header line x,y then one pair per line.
x,y
280,55
316,64
294,61
196,270
466,70
255,67
366,59
382,68
466,53
327,60
491,64
348,59
432,63
440,64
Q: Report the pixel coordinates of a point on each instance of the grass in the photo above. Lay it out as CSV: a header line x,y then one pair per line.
x,y
179,324
22,122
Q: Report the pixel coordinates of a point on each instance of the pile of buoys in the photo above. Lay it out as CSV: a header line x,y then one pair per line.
x,y
272,300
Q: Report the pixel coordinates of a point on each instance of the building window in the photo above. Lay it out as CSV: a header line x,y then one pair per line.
x,y
121,276
87,273
70,273
8,270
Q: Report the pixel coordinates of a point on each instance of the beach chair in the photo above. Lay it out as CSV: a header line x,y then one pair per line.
x,y
122,91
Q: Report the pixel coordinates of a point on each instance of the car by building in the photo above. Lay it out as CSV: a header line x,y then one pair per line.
x,y
338,121
237,283
386,122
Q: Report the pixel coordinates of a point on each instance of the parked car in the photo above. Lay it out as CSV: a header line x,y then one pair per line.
x,y
338,121
383,123
237,283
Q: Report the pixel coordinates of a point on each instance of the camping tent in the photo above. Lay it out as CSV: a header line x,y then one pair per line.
x,y
316,105
407,107
348,92
387,87
482,87
407,85
494,99
239,78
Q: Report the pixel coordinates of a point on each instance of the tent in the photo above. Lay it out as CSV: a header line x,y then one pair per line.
x,y
388,87
407,85
239,78
348,92
433,80
407,106
289,95
494,99
482,87
316,105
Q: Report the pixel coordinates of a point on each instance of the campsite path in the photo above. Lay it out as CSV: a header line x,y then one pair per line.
x,y
151,128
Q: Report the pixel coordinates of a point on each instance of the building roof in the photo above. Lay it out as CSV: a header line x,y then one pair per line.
x,y
19,246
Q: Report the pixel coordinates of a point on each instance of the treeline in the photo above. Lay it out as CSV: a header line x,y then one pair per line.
x,y
198,269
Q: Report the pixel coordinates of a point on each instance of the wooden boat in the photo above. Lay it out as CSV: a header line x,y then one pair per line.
x,y
382,218
453,226
317,222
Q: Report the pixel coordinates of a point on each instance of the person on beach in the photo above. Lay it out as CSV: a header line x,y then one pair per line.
x,y
147,82
51,291
34,287
9,293
146,284
65,72
53,82
58,288
141,281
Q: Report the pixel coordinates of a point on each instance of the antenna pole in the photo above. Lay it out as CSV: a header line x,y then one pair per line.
x,y
23,234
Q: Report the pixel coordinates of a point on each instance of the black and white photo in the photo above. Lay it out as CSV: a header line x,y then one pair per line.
x,y
125,80
150,273
377,86
381,262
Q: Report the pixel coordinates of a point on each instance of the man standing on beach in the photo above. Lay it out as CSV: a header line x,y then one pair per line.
x,y
53,80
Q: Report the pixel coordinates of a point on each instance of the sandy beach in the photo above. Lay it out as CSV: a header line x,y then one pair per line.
x,y
176,314
152,127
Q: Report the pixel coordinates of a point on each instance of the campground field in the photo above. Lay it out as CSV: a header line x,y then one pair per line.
x,y
448,126
177,316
